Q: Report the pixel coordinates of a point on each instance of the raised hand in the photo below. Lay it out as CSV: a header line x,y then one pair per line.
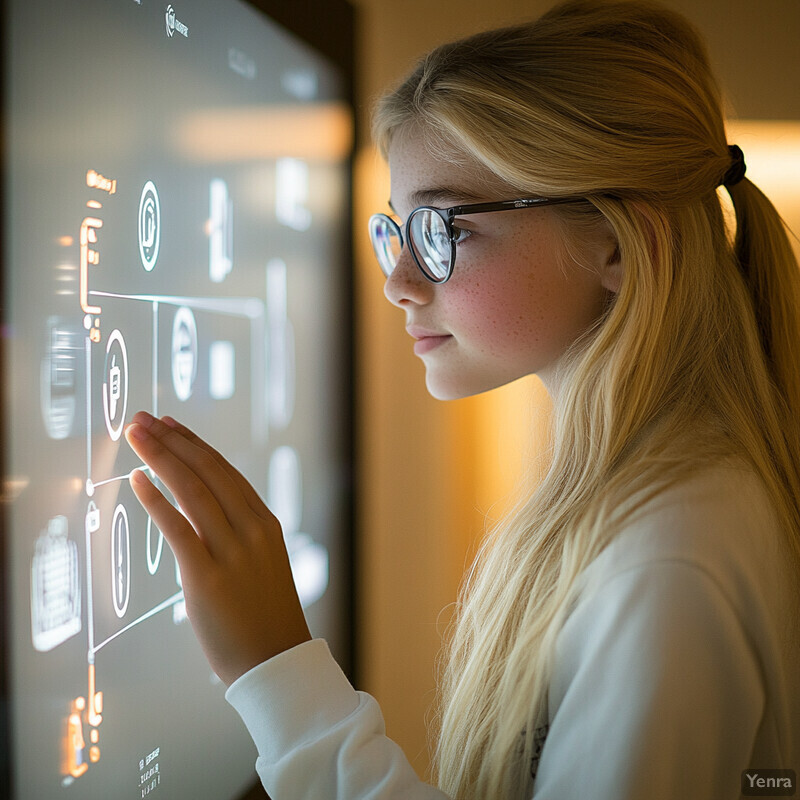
x,y
240,596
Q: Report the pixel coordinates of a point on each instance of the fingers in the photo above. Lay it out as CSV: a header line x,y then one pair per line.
x,y
189,474
248,492
202,481
178,532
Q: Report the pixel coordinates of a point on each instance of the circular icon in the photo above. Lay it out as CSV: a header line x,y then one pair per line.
x,y
153,560
120,561
115,385
184,352
149,226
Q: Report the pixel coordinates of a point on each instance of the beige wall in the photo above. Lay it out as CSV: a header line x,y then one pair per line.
x,y
431,471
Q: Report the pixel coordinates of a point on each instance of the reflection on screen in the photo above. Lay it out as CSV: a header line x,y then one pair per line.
x,y
176,185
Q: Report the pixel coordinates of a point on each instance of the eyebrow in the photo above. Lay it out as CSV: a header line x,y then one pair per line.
x,y
435,196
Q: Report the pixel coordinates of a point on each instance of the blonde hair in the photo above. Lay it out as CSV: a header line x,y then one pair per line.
x,y
697,353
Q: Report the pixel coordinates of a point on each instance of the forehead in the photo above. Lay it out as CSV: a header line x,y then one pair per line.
x,y
425,170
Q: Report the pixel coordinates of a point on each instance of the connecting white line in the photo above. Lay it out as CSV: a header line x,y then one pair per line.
x,y
92,485
88,407
250,307
155,358
170,601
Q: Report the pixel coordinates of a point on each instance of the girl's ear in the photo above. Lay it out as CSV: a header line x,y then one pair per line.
x,y
611,277
650,221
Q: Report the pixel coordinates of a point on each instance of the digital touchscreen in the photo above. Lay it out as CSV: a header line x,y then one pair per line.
x,y
175,220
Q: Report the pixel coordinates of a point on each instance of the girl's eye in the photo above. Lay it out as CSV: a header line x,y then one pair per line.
x,y
460,234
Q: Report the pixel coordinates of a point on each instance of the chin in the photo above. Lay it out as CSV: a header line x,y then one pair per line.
x,y
451,389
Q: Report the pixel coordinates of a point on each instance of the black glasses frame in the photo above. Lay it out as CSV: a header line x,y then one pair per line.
x,y
448,216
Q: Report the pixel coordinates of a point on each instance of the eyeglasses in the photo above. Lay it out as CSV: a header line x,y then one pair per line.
x,y
433,237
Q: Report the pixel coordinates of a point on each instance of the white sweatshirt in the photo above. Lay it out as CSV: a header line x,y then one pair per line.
x,y
674,673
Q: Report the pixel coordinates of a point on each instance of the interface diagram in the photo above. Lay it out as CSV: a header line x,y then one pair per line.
x,y
249,351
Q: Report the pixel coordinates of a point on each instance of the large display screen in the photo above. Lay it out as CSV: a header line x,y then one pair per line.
x,y
176,223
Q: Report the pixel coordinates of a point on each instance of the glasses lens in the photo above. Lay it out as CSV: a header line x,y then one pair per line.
x,y
430,240
386,241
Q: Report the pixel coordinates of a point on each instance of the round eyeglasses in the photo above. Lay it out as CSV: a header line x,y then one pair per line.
x,y
433,237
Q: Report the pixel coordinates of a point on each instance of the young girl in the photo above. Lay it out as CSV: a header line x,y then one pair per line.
x,y
630,632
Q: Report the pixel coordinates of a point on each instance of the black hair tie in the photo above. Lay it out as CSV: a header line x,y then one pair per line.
x,y
737,168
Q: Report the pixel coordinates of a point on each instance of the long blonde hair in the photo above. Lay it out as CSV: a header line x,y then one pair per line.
x,y
696,358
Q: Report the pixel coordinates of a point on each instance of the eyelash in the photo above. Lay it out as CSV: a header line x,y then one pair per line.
x,y
459,232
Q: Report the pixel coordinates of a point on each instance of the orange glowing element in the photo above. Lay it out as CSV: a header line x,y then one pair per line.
x,y
74,763
88,256
65,241
95,701
94,204
94,180
75,749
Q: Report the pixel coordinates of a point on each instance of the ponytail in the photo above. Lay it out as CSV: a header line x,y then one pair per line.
x,y
772,275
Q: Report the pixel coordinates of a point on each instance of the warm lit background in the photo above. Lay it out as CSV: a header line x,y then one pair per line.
x,y
432,472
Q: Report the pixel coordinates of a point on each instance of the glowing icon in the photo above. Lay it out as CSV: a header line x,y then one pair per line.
x,y
149,226
184,352
115,385
57,381
120,561
75,746
174,24
307,558
153,560
285,488
220,231
75,760
55,587
88,255
301,83
222,370
291,193
92,517
280,347
310,568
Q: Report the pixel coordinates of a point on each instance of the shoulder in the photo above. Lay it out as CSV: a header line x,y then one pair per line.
x,y
719,522
704,559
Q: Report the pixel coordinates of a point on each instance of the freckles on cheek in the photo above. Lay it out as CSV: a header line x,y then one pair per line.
x,y
502,315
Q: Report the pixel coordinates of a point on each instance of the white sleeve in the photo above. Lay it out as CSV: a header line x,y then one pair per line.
x,y
657,693
316,736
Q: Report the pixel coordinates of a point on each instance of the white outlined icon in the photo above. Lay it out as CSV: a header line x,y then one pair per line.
x,y
220,231
221,370
310,567
184,352
57,380
291,193
55,587
115,385
149,225
120,561
153,560
92,517
285,488
308,559
174,24
280,347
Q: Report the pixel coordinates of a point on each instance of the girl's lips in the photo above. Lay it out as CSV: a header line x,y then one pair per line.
x,y
425,344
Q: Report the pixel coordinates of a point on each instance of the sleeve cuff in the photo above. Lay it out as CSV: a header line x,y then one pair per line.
x,y
285,701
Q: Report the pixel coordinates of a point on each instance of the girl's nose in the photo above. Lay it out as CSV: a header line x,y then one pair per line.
x,y
407,284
